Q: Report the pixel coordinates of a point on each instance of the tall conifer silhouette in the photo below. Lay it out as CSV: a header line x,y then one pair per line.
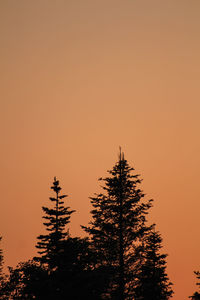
x,y
118,223
152,279
57,218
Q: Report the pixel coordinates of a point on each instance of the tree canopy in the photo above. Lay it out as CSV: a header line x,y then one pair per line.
x,y
153,282
119,259
57,218
118,226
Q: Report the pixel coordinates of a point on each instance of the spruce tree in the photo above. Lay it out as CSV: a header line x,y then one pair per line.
x,y
66,262
1,261
118,223
28,280
57,218
153,282
2,276
196,295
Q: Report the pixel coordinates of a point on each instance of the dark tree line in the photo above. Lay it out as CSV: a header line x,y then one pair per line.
x,y
120,259
196,295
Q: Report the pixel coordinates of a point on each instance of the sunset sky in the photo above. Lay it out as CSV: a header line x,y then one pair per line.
x,y
78,79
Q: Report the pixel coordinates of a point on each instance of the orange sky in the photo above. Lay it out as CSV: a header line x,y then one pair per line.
x,y
78,79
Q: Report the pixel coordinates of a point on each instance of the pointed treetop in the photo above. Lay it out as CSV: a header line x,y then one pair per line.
x,y
121,154
56,186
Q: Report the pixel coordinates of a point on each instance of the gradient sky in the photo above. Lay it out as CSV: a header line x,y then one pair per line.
x,y
78,79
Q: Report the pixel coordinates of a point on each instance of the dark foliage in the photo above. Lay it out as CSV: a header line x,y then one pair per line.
x,y
118,224
120,260
1,261
2,276
152,280
57,218
69,261
75,277
196,295
28,280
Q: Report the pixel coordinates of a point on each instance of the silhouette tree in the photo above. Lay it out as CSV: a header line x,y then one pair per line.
x,y
153,282
75,277
118,224
68,261
28,280
1,261
57,218
2,276
196,295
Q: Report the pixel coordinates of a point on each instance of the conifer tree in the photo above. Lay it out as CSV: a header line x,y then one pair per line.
x,y
2,276
118,223
153,282
58,217
196,295
1,261
28,280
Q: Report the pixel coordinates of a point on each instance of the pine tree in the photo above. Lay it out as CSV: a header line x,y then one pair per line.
x,y
153,282
1,261
76,270
118,223
57,218
3,277
28,280
196,295
66,262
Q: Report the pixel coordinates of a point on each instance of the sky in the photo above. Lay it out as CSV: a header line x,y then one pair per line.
x,y
78,79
